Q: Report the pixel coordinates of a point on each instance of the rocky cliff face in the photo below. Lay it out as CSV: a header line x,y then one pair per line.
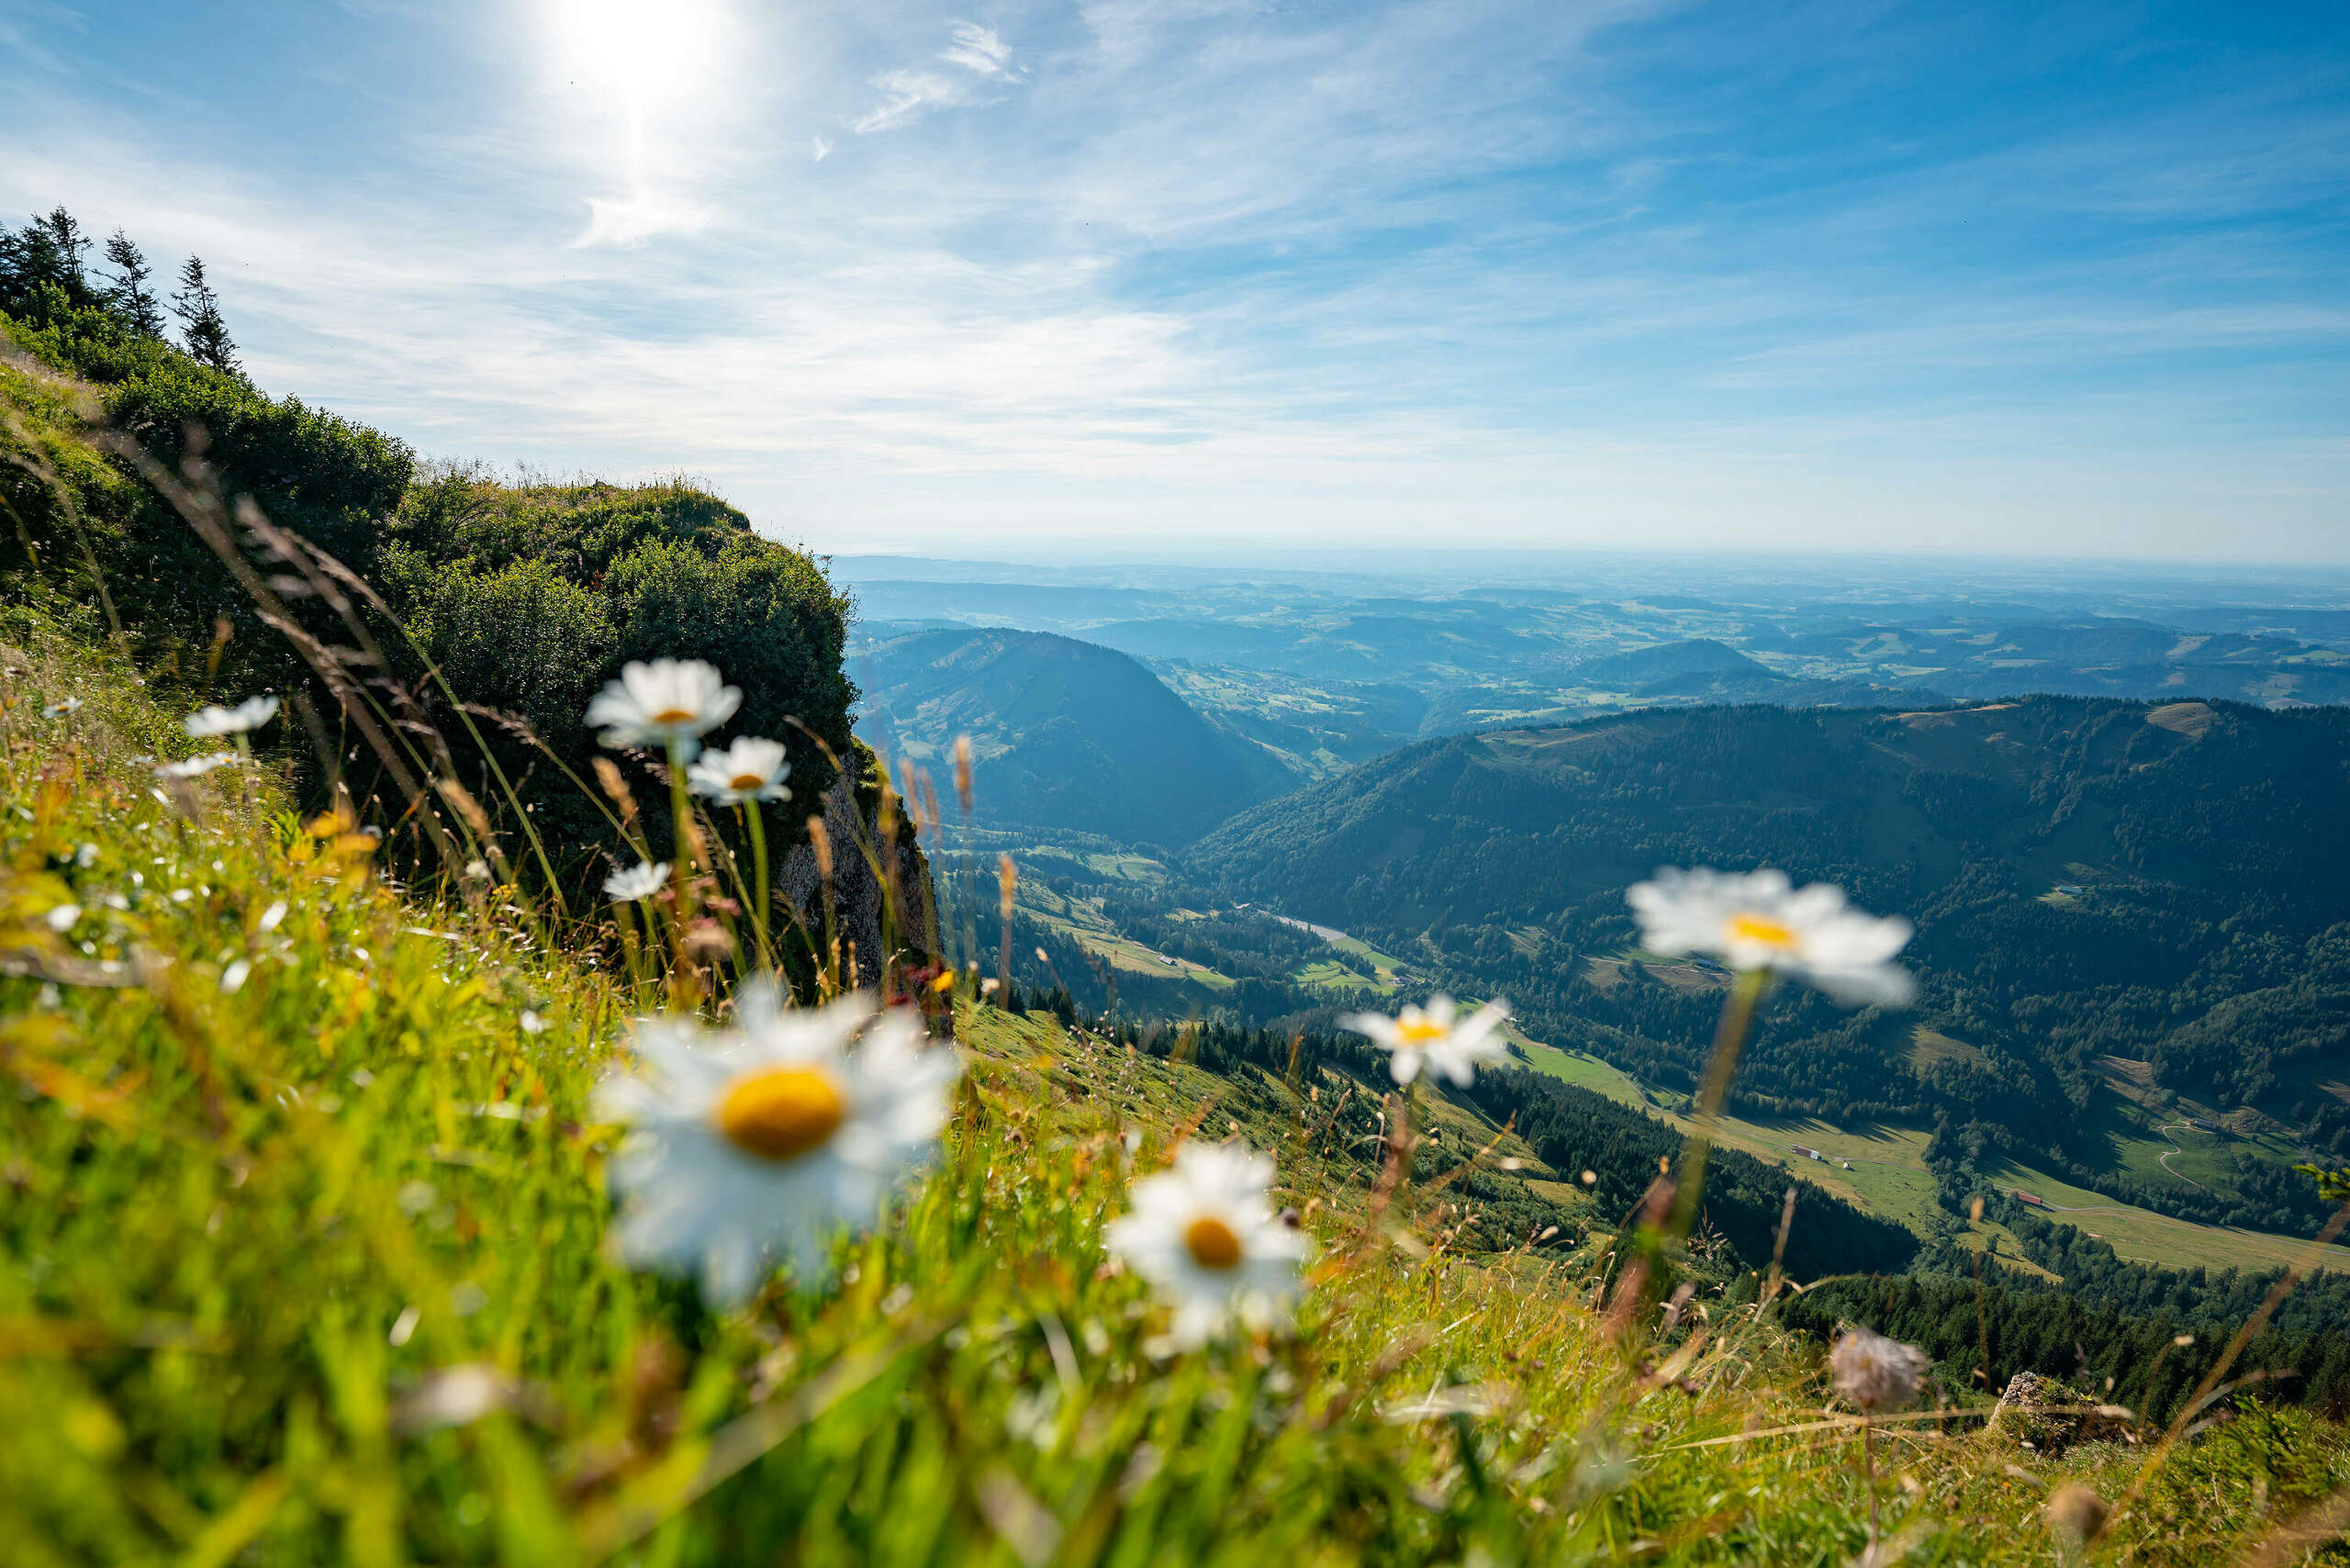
x,y
884,911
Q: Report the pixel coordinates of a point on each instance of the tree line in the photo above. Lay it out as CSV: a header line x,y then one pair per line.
x,y
45,266
1982,1334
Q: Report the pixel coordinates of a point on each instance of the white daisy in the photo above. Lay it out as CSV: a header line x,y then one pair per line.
x,y
1205,1234
196,766
1435,1037
248,715
670,703
750,769
61,706
1756,919
756,1144
636,882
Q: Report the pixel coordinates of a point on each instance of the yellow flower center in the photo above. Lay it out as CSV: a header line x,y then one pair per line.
x,y
1213,1243
781,1113
747,782
1762,929
1419,1031
673,716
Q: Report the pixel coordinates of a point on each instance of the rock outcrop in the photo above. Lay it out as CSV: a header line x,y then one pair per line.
x,y
884,913
2049,1416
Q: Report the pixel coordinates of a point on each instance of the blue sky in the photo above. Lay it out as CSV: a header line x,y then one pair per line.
x,y
1180,276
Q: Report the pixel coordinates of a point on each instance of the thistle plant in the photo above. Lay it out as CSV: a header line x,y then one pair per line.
x,y
1877,1376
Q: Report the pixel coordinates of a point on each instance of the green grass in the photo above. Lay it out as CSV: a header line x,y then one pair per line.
x,y
1335,975
1082,922
1586,1071
259,1234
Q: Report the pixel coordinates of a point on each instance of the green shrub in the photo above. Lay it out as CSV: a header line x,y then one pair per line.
x,y
530,597
527,597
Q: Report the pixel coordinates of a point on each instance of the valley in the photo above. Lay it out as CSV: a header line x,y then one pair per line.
x,y
1149,785
2136,1010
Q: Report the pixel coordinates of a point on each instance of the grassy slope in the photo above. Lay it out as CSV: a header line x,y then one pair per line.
x,y
252,1227
1082,921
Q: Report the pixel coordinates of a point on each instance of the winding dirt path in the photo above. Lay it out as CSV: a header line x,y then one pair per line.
x,y
2164,1161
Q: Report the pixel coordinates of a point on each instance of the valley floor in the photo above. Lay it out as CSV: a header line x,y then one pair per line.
x,y
1882,1167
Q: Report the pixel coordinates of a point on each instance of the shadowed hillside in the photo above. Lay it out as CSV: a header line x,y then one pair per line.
x,y
1066,733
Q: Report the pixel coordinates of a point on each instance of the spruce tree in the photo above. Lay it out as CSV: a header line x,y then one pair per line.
x,y
45,254
127,294
203,331
65,245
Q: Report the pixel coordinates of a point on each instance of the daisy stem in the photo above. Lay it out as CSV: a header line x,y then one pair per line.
x,y
1868,1465
244,757
681,827
1410,1119
1729,1039
761,893
630,950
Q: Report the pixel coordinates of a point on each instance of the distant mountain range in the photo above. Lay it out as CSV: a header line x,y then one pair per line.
x,y
1065,733
1330,669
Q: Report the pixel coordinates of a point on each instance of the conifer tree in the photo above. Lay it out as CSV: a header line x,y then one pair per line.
x,y
62,237
202,330
47,253
127,294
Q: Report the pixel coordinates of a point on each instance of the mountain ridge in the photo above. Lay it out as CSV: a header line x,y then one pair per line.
x,y
2089,877
1065,733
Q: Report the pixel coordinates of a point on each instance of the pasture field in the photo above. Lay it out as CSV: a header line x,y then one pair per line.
x,y
1888,1176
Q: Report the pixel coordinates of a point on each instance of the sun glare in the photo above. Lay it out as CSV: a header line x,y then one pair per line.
x,y
653,51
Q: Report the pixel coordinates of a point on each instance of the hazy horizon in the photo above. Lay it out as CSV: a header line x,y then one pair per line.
x,y
2325,579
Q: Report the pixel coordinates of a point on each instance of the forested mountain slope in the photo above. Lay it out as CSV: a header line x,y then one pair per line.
x,y
1065,733
2093,880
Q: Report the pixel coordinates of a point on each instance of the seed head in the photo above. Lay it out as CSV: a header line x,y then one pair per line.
x,y
1877,1373
2075,1514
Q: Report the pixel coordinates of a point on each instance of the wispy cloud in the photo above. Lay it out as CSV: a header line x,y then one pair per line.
x,y
977,53
980,51
907,96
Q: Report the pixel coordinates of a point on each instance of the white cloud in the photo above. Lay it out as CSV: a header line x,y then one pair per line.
x,y
634,219
980,50
1235,271
908,94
